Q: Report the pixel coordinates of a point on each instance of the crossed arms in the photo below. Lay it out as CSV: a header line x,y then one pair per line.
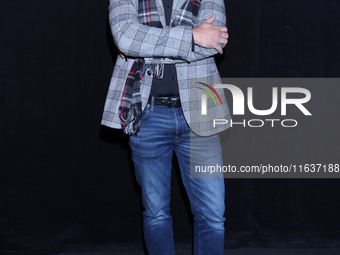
x,y
137,40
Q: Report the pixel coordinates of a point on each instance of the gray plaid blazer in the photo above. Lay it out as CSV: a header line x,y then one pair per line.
x,y
168,45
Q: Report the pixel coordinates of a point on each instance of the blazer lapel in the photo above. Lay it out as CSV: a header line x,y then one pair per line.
x,y
161,13
177,4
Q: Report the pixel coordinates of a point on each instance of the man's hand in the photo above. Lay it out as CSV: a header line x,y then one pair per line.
x,y
121,54
210,36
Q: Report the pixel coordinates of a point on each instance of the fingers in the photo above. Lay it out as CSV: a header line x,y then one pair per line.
x,y
121,54
224,32
223,43
224,37
219,49
224,29
211,36
211,19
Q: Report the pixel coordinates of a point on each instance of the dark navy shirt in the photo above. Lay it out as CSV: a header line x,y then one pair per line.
x,y
168,86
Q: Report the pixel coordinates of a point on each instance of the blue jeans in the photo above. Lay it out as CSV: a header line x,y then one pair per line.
x,y
164,130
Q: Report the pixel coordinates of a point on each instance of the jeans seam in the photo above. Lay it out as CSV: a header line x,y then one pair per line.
x,y
196,211
176,120
194,205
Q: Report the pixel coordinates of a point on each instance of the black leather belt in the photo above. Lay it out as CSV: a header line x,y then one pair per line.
x,y
170,101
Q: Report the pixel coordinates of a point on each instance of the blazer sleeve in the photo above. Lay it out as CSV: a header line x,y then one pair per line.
x,y
208,8
137,40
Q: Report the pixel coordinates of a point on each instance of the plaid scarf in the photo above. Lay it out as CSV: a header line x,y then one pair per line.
x,y
131,104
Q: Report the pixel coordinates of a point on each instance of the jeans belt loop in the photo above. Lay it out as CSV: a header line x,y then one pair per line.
x,y
152,103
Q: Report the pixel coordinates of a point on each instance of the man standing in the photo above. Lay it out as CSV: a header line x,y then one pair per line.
x,y
163,46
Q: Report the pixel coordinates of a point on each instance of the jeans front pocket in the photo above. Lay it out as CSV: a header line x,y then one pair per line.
x,y
145,112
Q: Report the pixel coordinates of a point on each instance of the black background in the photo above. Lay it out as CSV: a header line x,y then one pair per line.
x,y
67,182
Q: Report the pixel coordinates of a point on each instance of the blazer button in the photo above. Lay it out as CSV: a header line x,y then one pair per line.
x,y
149,72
